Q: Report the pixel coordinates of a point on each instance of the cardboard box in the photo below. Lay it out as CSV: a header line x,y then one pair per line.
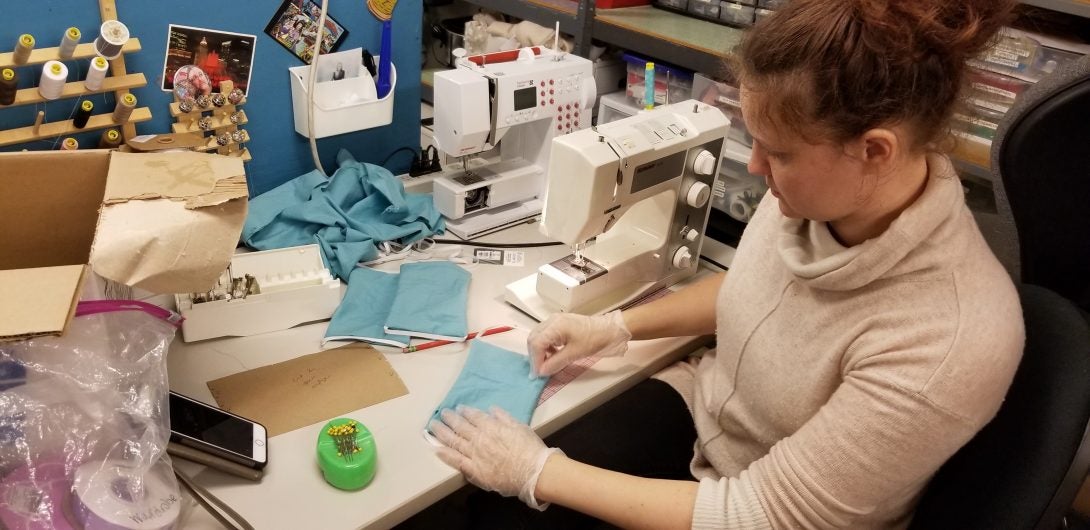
x,y
151,217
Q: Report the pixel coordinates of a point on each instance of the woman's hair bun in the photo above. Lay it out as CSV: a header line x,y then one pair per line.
x,y
954,29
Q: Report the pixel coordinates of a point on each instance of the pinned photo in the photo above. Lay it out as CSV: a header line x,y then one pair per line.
x,y
295,27
222,56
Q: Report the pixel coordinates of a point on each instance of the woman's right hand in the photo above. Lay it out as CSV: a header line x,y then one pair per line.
x,y
565,338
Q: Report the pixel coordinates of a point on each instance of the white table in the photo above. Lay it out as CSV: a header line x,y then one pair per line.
x,y
410,477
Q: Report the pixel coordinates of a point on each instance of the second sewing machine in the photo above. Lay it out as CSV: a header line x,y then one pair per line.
x,y
638,190
518,100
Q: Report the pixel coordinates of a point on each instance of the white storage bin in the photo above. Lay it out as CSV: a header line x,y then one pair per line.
x,y
293,287
342,106
704,8
736,14
615,106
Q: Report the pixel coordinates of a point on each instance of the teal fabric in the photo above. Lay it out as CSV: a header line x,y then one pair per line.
x,y
431,301
362,313
346,215
493,376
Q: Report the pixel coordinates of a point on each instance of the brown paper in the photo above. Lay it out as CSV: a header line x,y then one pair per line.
x,y
310,389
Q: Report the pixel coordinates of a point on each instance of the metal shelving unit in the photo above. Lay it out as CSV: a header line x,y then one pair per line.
x,y
574,16
692,43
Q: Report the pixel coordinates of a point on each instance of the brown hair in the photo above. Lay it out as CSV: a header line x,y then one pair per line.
x,y
841,67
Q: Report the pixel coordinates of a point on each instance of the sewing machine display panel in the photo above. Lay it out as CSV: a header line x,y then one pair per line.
x,y
525,98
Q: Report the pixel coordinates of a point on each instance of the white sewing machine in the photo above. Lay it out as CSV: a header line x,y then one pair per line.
x,y
519,100
637,188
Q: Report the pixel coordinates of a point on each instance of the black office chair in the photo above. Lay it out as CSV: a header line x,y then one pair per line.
x,y
1023,469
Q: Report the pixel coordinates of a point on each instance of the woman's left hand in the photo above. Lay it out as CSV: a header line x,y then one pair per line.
x,y
494,451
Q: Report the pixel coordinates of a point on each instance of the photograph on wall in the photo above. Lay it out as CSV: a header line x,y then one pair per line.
x,y
295,26
222,56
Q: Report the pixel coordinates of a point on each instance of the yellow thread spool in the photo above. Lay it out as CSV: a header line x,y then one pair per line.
x,y
83,114
8,86
110,139
23,48
68,43
96,74
124,108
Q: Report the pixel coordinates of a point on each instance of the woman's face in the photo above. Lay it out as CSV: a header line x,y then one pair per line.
x,y
822,182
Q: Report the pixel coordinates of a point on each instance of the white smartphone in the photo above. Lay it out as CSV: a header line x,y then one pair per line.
x,y
217,431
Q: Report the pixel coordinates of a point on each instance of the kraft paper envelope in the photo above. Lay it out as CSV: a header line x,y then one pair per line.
x,y
310,389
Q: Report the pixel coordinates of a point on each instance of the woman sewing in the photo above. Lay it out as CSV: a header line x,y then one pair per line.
x,y
865,331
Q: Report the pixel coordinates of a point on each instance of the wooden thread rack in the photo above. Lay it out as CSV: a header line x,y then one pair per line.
x,y
119,84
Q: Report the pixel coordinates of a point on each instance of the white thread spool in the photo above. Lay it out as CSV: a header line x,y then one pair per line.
x,y
124,108
68,43
740,209
69,144
51,84
111,495
96,73
112,36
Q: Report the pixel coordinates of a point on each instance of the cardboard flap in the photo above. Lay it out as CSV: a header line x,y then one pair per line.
x,y
38,301
198,179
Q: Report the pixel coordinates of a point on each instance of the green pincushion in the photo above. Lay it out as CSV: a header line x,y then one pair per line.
x,y
346,454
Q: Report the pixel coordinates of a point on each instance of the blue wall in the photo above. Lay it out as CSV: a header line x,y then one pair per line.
x,y
279,153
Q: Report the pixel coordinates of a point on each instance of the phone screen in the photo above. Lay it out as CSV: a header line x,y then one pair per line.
x,y
212,426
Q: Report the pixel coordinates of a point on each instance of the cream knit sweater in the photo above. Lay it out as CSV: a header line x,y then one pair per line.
x,y
844,377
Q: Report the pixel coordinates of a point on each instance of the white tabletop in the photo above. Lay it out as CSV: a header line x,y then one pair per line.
x,y
410,477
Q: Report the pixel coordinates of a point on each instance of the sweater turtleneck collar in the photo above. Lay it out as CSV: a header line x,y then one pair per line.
x,y
813,255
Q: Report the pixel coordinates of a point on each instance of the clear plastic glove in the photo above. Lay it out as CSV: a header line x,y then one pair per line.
x,y
565,338
494,451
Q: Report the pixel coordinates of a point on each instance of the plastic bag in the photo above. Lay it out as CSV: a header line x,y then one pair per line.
x,y
83,439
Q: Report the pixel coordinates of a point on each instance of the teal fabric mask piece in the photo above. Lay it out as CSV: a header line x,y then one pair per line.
x,y
431,301
362,313
493,376
346,215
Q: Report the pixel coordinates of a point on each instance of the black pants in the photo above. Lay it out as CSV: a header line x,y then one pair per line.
x,y
647,431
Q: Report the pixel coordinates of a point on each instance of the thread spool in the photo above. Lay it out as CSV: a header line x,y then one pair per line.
x,y
35,497
124,108
740,209
112,36
9,83
83,114
96,73
111,138
54,75
23,47
69,144
112,495
68,43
